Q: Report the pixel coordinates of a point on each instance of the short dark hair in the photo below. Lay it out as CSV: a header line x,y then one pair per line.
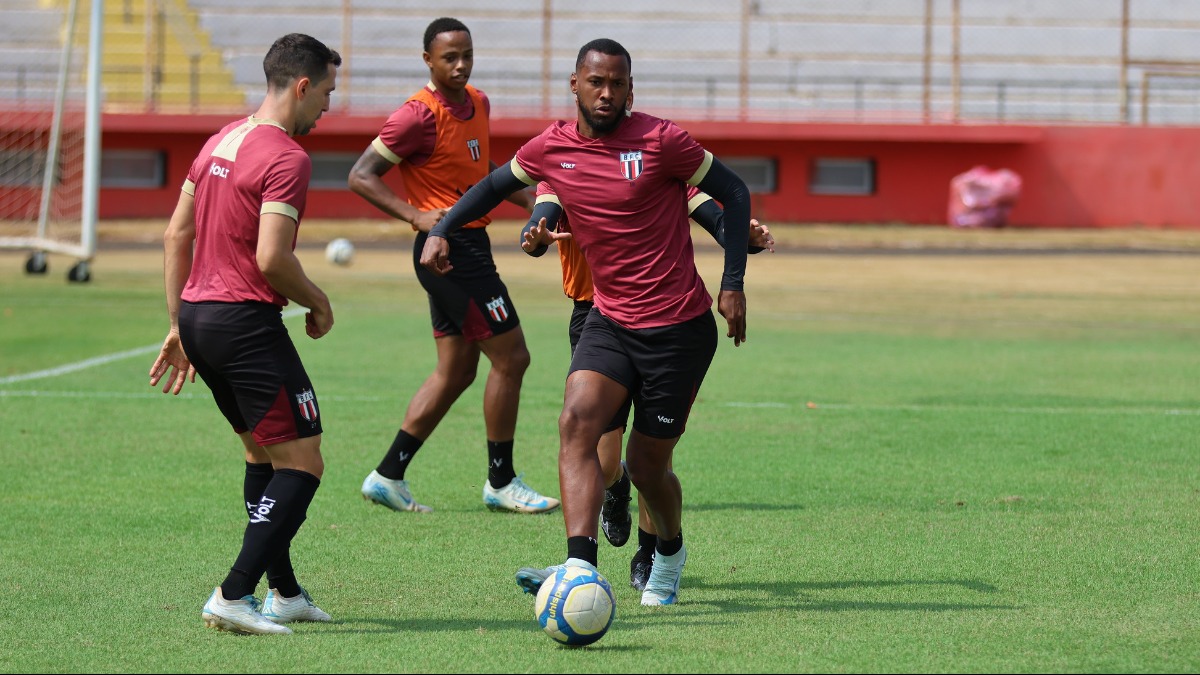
x,y
443,25
604,46
297,55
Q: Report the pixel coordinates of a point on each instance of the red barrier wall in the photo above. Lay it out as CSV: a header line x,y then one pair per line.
x,y
1110,176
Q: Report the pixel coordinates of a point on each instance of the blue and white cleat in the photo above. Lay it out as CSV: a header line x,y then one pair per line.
x,y
238,616
530,579
287,610
662,588
517,497
391,493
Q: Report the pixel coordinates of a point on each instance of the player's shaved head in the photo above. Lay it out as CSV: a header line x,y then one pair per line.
x,y
604,46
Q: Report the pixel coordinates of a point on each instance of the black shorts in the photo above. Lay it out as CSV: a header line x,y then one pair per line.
x,y
471,300
243,353
661,367
579,315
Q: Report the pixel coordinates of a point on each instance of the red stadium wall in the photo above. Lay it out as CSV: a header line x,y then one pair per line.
x,y
1110,176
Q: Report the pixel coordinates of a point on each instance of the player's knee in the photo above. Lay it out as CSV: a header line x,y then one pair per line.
x,y
513,363
644,470
573,423
457,379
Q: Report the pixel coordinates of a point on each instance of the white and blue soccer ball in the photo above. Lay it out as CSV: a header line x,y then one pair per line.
x,y
339,251
575,606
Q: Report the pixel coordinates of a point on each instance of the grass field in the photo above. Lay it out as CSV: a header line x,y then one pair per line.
x,y
921,461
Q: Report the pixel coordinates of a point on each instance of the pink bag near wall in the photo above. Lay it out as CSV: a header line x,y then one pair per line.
x,y
983,197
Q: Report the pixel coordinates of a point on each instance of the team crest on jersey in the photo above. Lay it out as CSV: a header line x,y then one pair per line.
x,y
307,403
498,310
473,146
631,164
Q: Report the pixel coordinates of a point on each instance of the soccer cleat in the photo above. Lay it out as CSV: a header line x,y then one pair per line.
x,y
639,568
518,497
662,588
615,521
287,610
530,579
391,493
239,616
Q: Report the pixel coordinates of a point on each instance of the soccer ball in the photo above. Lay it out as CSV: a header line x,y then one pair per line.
x,y
339,251
575,606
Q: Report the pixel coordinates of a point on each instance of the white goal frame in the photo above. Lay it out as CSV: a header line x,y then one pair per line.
x,y
40,243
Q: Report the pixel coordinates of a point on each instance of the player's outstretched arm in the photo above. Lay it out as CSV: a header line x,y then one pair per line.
x,y
475,204
283,271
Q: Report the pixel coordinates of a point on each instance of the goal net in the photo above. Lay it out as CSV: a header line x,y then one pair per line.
x,y
44,130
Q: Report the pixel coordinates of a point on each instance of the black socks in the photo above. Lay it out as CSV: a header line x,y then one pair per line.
x,y
500,465
274,521
280,575
395,462
584,548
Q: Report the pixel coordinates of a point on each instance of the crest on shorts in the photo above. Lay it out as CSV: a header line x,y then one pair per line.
x,y
498,310
306,401
473,146
631,164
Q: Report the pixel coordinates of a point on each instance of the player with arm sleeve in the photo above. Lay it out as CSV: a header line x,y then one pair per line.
x,y
621,180
229,269
538,234
438,140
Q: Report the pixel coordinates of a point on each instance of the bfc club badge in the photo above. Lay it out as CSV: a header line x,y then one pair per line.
x,y
631,164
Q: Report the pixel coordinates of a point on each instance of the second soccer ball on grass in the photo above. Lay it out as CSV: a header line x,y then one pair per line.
x,y
339,251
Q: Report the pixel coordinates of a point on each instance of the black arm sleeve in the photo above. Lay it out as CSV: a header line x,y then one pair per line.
x,y
551,212
479,200
712,218
724,185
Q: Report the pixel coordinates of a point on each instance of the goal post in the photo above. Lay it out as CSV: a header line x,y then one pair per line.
x,y
50,150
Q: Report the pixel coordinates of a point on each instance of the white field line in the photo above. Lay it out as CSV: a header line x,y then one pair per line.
x,y
101,360
1016,410
154,393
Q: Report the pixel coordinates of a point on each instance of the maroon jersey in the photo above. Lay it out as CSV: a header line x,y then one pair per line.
x,y
249,168
626,196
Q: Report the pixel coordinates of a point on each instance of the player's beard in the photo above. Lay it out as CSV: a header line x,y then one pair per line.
x,y
601,128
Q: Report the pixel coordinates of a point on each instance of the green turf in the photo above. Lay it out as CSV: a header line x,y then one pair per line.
x,y
882,479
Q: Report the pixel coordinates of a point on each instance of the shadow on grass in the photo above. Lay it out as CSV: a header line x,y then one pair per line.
x,y
696,610
803,596
368,625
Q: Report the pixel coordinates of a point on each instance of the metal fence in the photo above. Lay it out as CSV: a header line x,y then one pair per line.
x,y
1060,61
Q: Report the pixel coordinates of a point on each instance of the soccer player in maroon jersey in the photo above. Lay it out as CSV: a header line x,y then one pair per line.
x,y
548,217
438,141
230,267
621,179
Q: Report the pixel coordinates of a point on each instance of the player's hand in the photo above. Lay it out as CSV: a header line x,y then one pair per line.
x,y
732,306
318,321
435,256
760,236
428,219
172,356
539,236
